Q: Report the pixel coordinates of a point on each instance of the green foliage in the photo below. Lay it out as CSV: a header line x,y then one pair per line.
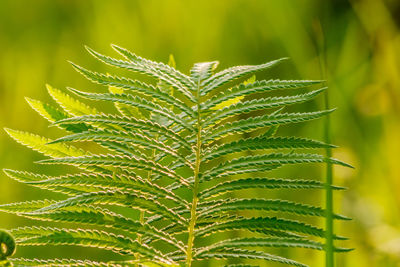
x,y
173,154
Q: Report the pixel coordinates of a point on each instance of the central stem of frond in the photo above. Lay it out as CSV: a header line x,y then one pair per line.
x,y
193,215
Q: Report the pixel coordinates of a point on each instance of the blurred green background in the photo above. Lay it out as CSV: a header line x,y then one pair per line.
x,y
362,50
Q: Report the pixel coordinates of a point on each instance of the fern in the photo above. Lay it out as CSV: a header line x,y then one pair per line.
x,y
166,155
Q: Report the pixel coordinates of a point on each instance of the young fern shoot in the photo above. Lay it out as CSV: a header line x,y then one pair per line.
x,y
174,151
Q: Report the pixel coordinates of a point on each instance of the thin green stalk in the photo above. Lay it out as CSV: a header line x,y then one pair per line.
x,y
193,215
330,257
329,247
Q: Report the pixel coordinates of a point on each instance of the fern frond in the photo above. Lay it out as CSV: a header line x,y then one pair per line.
x,y
167,70
233,73
136,102
129,124
122,137
103,218
116,198
41,144
117,161
228,253
47,111
27,206
86,238
57,262
262,242
143,69
53,114
69,104
255,87
73,184
261,142
135,86
265,162
125,110
263,224
266,205
269,183
85,263
259,104
265,242
254,123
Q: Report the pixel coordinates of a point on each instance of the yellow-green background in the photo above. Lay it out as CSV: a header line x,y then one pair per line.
x,y
363,64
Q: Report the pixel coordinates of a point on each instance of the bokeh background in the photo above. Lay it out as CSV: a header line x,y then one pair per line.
x,y
360,41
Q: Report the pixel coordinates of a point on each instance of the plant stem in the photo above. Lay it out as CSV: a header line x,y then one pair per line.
x,y
322,55
193,215
329,194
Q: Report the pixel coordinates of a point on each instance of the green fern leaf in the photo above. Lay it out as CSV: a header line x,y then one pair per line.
x,y
256,143
263,224
202,71
104,218
48,112
265,162
125,110
270,183
53,114
135,86
233,73
85,263
267,205
57,262
255,87
167,70
116,198
259,104
228,253
74,184
129,124
41,144
69,104
89,238
266,242
254,123
117,161
262,242
123,137
27,206
136,102
143,69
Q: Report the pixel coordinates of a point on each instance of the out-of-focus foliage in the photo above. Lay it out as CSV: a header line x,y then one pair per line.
x,y
362,42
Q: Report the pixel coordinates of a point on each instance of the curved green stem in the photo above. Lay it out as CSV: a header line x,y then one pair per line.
x,y
7,245
329,194
193,215
329,247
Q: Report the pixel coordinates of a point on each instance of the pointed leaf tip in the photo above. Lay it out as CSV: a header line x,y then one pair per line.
x,y
73,90
73,64
8,130
90,50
